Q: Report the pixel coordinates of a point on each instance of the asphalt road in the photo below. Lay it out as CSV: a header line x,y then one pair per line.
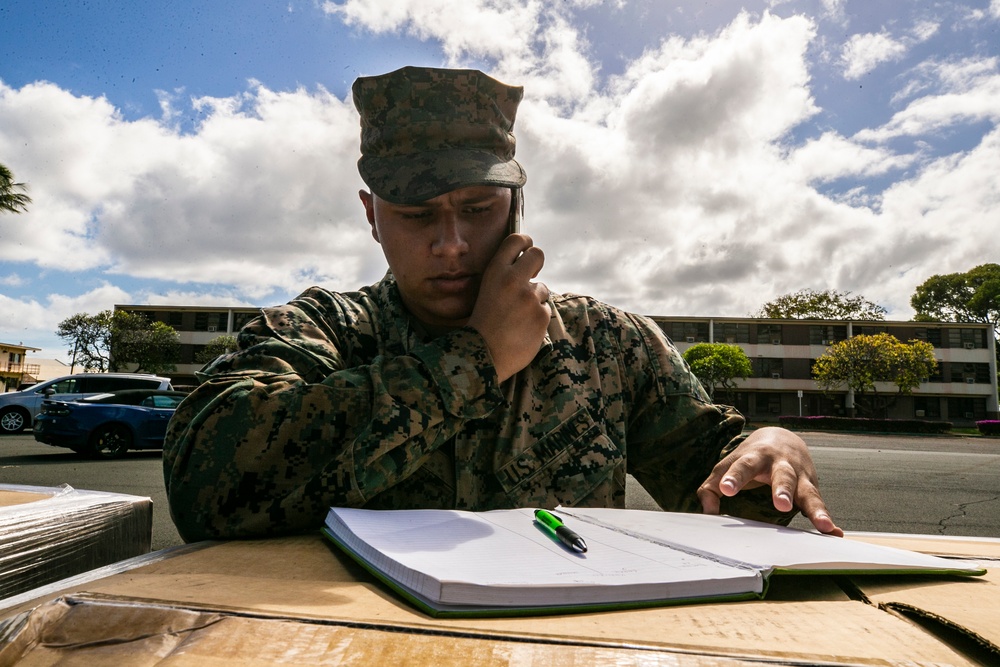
x,y
926,485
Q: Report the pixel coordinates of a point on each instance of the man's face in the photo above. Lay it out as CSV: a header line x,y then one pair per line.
x,y
438,249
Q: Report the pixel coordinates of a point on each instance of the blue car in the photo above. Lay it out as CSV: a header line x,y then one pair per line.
x,y
108,425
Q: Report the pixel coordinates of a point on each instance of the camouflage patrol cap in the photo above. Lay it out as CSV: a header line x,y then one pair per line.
x,y
426,131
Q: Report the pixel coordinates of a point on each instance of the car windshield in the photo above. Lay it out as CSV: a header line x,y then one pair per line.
x,y
162,401
64,386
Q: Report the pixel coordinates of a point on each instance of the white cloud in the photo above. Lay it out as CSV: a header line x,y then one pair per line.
x,y
678,186
832,156
834,10
995,9
34,322
12,280
265,173
924,30
863,53
964,91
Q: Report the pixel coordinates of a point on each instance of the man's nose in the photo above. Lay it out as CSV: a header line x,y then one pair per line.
x,y
450,237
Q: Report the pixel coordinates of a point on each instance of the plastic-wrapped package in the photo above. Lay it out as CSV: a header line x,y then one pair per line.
x,y
47,534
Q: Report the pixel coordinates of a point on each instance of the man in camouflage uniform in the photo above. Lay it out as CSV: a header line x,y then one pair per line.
x,y
457,381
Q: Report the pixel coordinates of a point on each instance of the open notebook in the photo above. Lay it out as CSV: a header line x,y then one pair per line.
x,y
449,562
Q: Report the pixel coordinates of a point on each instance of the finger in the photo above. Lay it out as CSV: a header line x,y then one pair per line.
x,y
784,483
813,508
512,247
529,263
542,290
710,500
737,473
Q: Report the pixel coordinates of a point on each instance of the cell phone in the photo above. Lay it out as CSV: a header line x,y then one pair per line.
x,y
514,216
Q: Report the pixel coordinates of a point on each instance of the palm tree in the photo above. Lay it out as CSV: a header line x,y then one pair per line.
x,y
11,200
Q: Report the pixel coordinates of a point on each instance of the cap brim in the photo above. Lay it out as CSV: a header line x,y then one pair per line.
x,y
411,179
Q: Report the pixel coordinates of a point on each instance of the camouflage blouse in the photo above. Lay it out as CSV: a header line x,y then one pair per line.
x,y
336,399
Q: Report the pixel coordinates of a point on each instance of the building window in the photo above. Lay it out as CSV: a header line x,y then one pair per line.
x,y
769,333
970,339
175,318
686,332
211,322
732,332
927,407
768,367
966,408
769,403
826,334
970,373
869,330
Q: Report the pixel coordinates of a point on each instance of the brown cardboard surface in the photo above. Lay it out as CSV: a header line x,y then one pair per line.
x,y
11,498
938,545
958,604
806,619
98,634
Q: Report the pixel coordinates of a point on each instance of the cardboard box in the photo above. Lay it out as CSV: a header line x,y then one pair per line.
x,y
297,600
48,534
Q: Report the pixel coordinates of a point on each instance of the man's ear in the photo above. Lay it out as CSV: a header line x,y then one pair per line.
x,y
368,199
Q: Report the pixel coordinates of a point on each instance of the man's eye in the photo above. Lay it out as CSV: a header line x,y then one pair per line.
x,y
415,215
478,210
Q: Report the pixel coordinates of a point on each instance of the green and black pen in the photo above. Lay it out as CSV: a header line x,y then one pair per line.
x,y
565,535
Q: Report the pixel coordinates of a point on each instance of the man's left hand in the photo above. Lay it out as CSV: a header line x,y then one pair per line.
x,y
777,458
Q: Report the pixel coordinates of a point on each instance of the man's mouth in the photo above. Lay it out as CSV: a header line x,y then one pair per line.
x,y
453,282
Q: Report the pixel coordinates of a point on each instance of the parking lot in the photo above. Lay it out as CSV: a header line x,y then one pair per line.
x,y
925,485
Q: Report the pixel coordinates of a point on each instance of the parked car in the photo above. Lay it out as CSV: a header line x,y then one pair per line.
x,y
19,408
108,425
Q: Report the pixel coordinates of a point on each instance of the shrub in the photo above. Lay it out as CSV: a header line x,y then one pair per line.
x,y
821,423
989,426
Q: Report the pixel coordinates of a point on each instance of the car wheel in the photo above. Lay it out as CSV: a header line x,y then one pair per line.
x,y
13,420
110,441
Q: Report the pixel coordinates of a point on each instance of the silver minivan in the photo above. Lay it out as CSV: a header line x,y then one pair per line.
x,y
19,408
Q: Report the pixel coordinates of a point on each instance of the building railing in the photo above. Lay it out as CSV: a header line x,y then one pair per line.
x,y
12,367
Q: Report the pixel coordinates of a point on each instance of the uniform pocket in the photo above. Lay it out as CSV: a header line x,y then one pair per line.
x,y
565,467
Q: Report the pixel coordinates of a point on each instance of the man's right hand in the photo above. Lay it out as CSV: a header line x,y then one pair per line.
x,y
511,312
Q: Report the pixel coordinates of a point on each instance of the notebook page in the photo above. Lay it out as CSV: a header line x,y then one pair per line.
x,y
503,557
762,544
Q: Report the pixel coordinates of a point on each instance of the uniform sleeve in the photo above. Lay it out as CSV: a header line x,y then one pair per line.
x,y
282,430
676,434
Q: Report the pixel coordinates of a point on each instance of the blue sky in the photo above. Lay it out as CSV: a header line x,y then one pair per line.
x,y
685,158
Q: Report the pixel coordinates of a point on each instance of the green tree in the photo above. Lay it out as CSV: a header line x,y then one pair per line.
x,y
809,304
151,347
216,348
718,365
89,338
973,296
12,195
860,362
113,341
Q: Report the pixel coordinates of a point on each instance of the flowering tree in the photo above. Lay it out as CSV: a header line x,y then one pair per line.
x,y
862,361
